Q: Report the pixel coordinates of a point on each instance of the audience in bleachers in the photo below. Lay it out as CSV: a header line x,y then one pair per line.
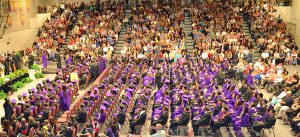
x,y
271,34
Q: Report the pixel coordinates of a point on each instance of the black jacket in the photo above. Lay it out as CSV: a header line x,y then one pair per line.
x,y
142,118
121,117
185,118
81,116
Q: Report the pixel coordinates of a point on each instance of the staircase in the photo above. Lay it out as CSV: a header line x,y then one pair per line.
x,y
70,33
246,28
121,39
52,66
187,28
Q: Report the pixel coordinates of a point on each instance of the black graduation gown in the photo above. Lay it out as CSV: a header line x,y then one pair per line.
x,y
6,66
8,110
30,61
58,61
17,60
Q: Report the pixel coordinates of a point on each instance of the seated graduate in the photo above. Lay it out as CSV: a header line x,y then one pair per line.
x,y
160,116
268,121
121,115
201,118
113,129
183,120
139,118
222,119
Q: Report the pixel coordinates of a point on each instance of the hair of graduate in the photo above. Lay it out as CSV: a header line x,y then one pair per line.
x,y
64,88
261,95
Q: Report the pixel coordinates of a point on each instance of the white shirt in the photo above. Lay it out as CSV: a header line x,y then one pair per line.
x,y
105,49
204,55
265,54
257,64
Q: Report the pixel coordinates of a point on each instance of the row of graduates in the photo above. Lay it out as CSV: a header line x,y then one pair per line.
x,y
44,102
211,106
50,99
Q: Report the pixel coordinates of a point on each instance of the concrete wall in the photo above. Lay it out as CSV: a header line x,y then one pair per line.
x,y
20,40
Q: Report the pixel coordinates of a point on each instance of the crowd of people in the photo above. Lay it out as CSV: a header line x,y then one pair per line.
x,y
218,33
98,28
219,85
155,29
272,35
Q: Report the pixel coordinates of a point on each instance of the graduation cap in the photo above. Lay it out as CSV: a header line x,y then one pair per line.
x,y
92,95
51,96
13,101
103,107
105,103
19,96
85,98
82,105
96,89
30,91
44,82
46,104
27,105
38,97
55,103
24,94
108,94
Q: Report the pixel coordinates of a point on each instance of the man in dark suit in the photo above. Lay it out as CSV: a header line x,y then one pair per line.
x,y
81,115
45,111
58,59
158,79
139,120
121,115
94,69
30,60
8,109
184,120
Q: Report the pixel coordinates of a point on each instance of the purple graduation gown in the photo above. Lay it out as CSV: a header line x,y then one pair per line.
x,y
44,60
65,100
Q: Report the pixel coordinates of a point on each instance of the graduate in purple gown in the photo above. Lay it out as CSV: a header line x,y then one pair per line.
x,y
69,61
44,60
65,98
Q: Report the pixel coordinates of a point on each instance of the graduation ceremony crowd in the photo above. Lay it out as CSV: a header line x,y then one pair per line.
x,y
154,79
